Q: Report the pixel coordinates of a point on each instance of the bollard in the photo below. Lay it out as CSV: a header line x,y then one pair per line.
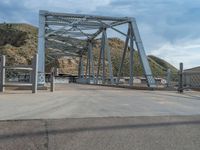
x,y
2,72
52,79
168,77
34,73
180,88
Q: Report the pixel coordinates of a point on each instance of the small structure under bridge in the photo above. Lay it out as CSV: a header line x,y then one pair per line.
x,y
65,34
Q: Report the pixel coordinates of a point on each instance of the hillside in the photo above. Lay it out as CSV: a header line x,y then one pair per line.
x,y
19,43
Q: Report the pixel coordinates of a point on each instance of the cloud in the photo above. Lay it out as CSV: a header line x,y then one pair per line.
x,y
65,5
185,51
27,10
164,25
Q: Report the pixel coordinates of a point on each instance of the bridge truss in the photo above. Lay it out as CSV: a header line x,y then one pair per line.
x,y
67,34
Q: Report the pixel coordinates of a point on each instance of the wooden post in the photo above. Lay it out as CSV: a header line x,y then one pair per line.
x,y
52,79
34,73
2,72
180,88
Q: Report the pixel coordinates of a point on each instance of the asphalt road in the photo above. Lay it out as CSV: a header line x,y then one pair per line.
x,y
126,133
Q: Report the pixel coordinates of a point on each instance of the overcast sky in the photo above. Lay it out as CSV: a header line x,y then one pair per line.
x,y
170,29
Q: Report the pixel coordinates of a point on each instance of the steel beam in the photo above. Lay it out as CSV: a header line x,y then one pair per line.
x,y
110,26
107,48
89,62
98,67
117,23
145,64
123,56
2,72
96,34
88,27
90,17
91,59
63,47
131,55
103,57
41,48
73,21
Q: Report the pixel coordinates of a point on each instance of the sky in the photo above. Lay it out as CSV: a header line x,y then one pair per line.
x,y
170,29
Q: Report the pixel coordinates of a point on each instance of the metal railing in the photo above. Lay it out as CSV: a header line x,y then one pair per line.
x,y
191,79
10,75
188,79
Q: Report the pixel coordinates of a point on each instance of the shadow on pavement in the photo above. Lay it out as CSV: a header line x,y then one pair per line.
x,y
15,135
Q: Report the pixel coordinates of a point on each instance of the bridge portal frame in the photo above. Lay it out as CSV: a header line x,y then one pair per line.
x,y
74,26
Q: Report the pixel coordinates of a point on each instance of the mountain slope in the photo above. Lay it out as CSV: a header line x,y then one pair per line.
x,y
18,42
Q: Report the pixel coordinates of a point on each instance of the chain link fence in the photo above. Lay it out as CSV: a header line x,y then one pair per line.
x,y
18,75
15,76
191,80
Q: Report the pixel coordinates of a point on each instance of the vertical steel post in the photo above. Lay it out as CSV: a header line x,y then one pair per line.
x,y
180,88
2,72
89,64
145,64
92,61
82,67
41,48
79,67
107,48
98,67
131,55
86,71
168,77
52,80
103,57
123,56
34,73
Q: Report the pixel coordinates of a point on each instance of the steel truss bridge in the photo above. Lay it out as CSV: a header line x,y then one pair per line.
x,y
67,34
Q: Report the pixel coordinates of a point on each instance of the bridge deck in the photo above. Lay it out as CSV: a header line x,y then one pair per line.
x,y
79,101
139,121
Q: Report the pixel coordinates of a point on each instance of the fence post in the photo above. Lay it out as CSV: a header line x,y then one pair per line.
x,y
180,87
168,77
52,79
34,73
2,72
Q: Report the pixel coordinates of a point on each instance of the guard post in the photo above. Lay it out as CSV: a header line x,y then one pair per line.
x,y
52,80
180,87
2,72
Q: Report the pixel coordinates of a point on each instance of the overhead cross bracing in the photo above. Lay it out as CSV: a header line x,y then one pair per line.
x,y
65,34
71,29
